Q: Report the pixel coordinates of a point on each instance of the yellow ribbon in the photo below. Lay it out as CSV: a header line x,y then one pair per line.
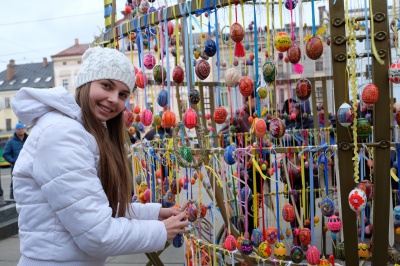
x,y
375,52
218,180
256,166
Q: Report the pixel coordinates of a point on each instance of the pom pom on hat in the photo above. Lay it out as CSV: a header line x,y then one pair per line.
x,y
105,63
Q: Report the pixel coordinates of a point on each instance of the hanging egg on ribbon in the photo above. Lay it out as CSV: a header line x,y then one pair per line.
x,y
190,118
280,251
334,224
220,115
313,255
237,35
264,250
305,236
262,92
202,69
290,4
170,28
269,71
246,191
159,74
141,79
259,127
256,237
288,213
231,77
363,251
146,117
271,235
340,254
277,128
370,94
178,241
368,188
149,61
210,48
282,41
194,96
162,98
294,54
168,119
364,129
186,154
178,75
246,247
357,200
394,73
327,207
230,243
303,89
345,115
144,7
324,262
230,155
314,48
246,86
296,254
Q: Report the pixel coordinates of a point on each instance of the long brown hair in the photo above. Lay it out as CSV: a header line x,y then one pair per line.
x,y
113,170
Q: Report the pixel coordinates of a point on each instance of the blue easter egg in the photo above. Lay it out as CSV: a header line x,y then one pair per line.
x,y
178,241
246,190
256,237
229,155
141,127
327,207
162,98
210,47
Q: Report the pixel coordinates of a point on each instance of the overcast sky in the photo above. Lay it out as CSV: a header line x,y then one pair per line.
x,y
31,30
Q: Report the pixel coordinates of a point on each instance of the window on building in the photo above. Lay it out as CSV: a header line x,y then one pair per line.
x,y
64,63
37,80
224,98
8,124
7,102
48,79
65,84
24,81
319,98
1,82
79,62
319,64
12,82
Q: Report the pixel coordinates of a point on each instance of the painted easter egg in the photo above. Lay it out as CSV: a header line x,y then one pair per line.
x,y
178,241
280,251
159,74
246,86
327,207
303,89
149,61
262,92
246,247
186,154
357,200
394,73
194,96
229,155
230,243
368,188
277,127
294,54
146,117
288,212
305,236
256,237
258,127
323,262
290,4
231,77
334,224
345,115
313,255
210,47
364,129
282,41
237,32
271,235
162,98
168,119
141,79
178,75
269,71
340,254
190,118
296,254
220,115
370,94
264,250
314,48
363,251
202,69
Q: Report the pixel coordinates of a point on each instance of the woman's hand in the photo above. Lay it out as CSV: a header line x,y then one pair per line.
x,y
176,224
165,213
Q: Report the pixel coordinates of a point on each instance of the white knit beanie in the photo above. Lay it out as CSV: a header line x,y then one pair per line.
x,y
105,63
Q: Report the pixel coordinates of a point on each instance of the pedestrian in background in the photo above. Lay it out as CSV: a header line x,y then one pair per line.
x,y
72,183
13,148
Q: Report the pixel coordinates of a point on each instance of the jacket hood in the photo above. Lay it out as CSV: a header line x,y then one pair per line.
x,y
29,104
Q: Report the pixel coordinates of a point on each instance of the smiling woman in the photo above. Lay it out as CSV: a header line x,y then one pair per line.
x,y
73,172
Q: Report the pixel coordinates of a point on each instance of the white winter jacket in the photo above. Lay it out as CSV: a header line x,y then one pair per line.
x,y
64,214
